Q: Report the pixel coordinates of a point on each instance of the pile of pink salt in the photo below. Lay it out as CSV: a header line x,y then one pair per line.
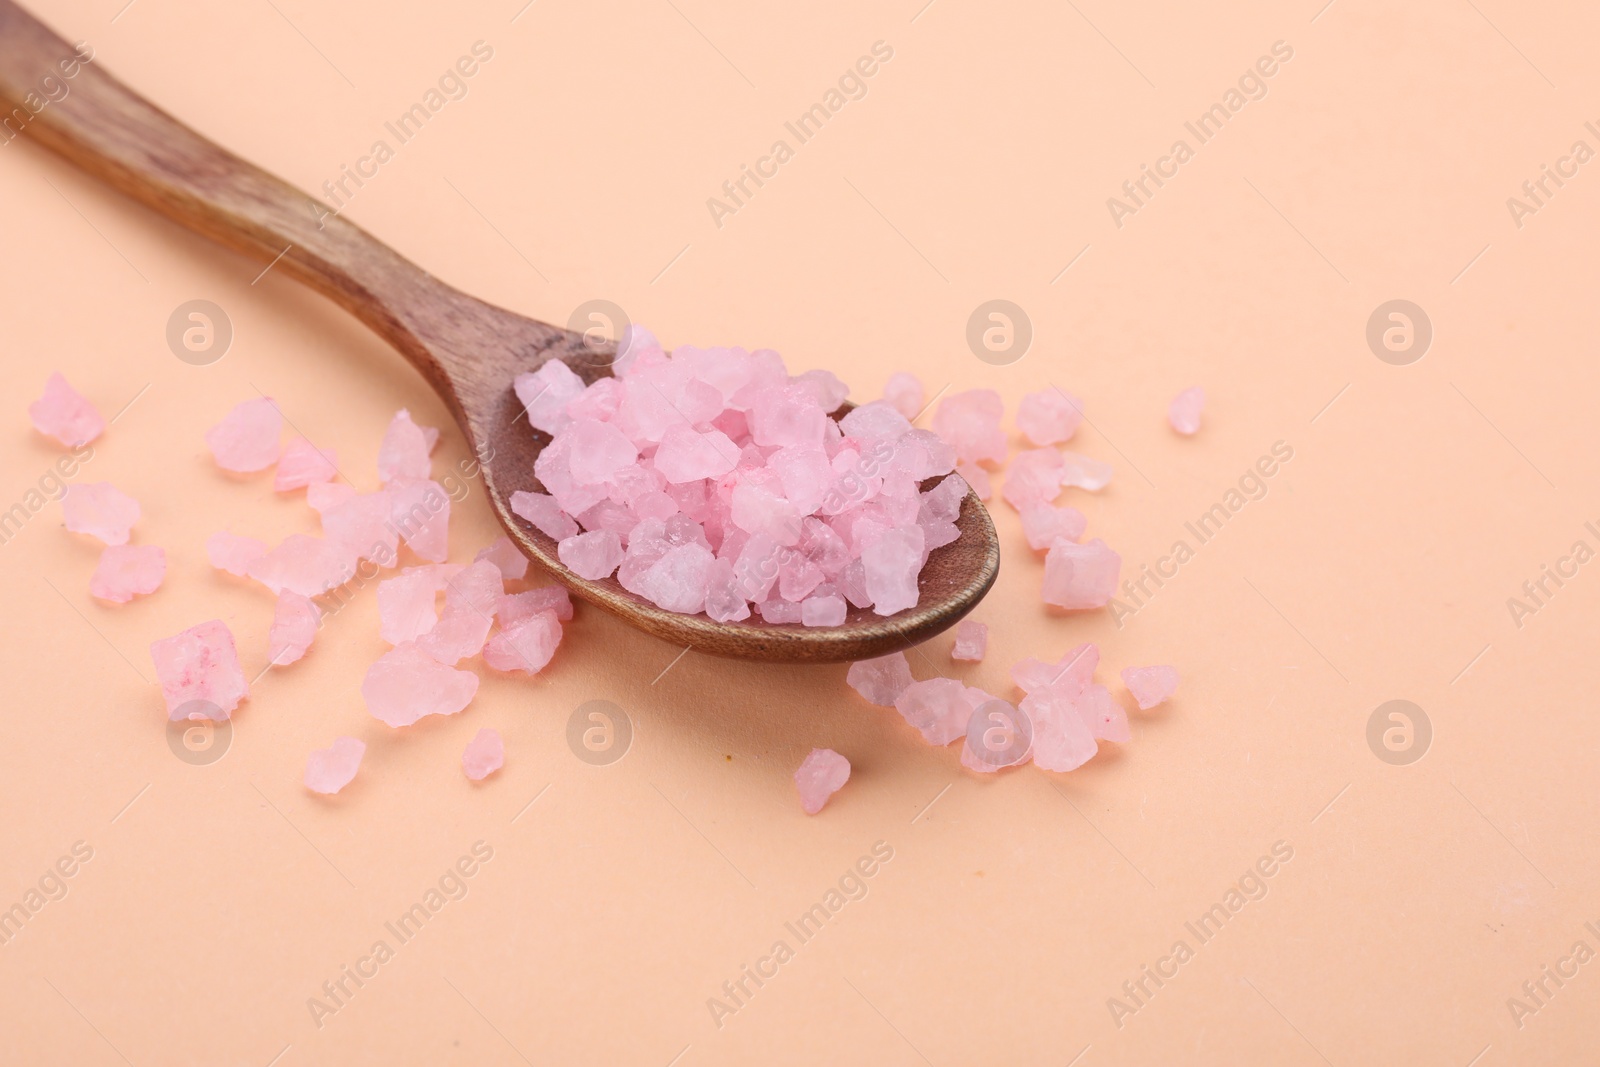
x,y
821,774
714,481
62,413
330,769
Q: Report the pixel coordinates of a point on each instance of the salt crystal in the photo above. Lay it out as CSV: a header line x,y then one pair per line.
x,y
515,607
972,640
970,423
407,604
1049,417
880,680
404,454
779,612
1044,525
1184,412
1062,741
892,563
1078,577
233,553
678,580
1073,671
1033,477
939,708
526,645
999,735
1085,472
600,451
330,769
247,438
822,774
294,625
324,495
310,566
905,394
591,556
199,672
1151,685
302,464
977,478
420,512
484,754
545,513
406,684
503,553
822,611
363,525
101,510
469,601
545,393
725,600
127,571
1102,714
61,412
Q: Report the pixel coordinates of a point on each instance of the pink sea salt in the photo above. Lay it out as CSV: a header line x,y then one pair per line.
x,y
61,412
881,681
821,774
525,646
100,510
310,566
362,523
1085,472
1049,417
408,604
513,607
591,556
247,438
507,556
294,625
545,513
1062,741
972,639
407,684
998,736
324,495
970,423
234,553
822,610
127,571
939,707
330,769
1074,670
1151,686
545,394
469,601
420,512
1044,524
403,456
905,393
1079,577
977,478
303,464
199,672
484,754
1184,411
1033,477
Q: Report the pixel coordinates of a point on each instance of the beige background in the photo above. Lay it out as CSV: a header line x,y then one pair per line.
x,y
1419,898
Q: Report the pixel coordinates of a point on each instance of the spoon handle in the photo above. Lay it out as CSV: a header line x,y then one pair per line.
x,y
57,95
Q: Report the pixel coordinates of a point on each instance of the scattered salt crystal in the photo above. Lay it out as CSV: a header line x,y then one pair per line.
x,y
127,571
420,512
61,412
470,596
545,513
881,681
233,553
1151,685
310,566
101,510
407,604
404,454
977,478
591,556
199,672
822,611
970,423
939,708
362,524
1077,577
484,754
247,438
507,556
1184,412
1044,525
330,769
822,774
1062,741
302,464
999,735
526,645
1085,472
905,394
324,495
1033,477
407,684
1073,671
972,640
514,607
294,625
1049,417
1103,715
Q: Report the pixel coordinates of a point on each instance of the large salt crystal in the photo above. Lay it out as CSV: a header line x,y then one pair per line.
x,y
970,423
100,510
469,602
420,513
545,394
324,495
330,769
545,513
821,774
524,646
892,563
514,607
972,640
404,454
822,610
233,553
1078,577
1151,686
507,556
600,452
294,625
591,556
687,455
127,571
1085,472
199,672
725,600
247,438
302,464
905,393
363,524
407,684
1062,741
61,412
484,754
998,736
310,566
1034,477
1049,417
678,580
1074,671
1102,714
1044,525
407,604
1184,411
880,680
939,708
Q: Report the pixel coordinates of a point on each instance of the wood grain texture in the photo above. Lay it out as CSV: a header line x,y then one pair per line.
x,y
468,351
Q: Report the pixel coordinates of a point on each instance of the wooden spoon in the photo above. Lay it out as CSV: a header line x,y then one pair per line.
x,y
469,351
